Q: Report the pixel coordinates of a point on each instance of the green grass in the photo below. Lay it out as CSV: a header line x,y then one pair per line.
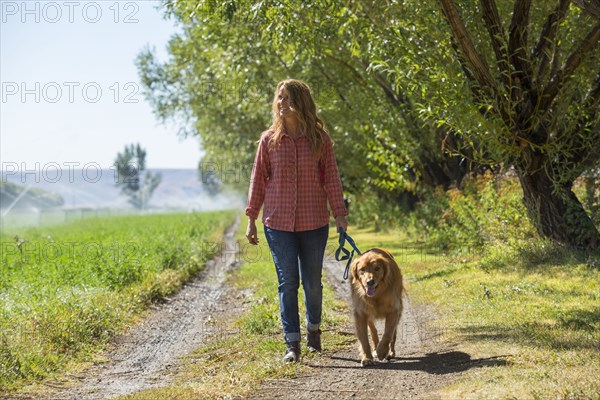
x,y
544,315
66,289
237,363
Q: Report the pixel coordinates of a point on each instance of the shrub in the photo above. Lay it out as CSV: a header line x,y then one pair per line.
x,y
487,209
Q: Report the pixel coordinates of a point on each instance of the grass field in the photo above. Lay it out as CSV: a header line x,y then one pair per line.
x,y
64,290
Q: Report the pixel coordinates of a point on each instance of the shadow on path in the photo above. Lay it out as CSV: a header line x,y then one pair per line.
x,y
432,363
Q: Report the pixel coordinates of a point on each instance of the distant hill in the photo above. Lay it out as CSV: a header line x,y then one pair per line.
x,y
33,199
180,188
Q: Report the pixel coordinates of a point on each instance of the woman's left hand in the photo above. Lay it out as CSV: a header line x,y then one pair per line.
x,y
341,222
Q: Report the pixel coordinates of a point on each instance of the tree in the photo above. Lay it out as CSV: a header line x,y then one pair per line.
x,y
129,166
542,97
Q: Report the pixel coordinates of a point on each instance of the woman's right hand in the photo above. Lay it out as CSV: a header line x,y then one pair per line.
x,y
251,232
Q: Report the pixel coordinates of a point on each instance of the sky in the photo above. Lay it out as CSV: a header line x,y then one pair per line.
x,y
71,96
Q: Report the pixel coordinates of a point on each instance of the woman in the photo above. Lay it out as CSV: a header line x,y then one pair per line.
x,y
294,176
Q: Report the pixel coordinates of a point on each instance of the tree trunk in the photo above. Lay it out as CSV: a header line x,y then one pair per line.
x,y
557,215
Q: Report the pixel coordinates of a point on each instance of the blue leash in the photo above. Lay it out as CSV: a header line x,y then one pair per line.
x,y
347,254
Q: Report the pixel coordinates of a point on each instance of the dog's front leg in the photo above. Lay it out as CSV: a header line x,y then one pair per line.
x,y
391,324
374,336
361,322
392,353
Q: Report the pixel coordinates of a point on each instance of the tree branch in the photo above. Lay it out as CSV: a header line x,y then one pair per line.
x,y
517,45
592,7
548,36
497,37
330,79
473,59
477,92
350,68
568,68
387,89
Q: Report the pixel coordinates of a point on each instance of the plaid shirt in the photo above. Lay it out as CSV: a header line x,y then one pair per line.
x,y
294,185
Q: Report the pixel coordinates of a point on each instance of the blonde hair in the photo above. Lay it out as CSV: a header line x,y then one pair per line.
x,y
301,101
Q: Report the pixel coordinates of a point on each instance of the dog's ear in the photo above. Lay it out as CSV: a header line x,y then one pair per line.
x,y
394,268
386,269
386,253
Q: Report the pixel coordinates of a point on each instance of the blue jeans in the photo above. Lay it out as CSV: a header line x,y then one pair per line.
x,y
295,252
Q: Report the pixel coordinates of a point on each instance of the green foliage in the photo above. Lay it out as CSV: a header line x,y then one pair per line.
x,y
66,289
487,211
417,52
370,210
527,97
587,188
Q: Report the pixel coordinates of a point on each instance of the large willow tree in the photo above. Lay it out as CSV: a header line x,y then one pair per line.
x,y
538,90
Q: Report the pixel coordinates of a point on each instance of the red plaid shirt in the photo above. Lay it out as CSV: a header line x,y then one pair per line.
x,y
294,185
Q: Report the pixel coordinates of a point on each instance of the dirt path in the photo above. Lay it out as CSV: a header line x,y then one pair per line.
x,y
142,358
424,362
148,355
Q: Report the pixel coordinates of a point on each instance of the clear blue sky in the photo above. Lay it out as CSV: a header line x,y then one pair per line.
x,y
69,79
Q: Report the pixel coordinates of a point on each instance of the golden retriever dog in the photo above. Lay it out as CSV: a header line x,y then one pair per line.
x,y
377,291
